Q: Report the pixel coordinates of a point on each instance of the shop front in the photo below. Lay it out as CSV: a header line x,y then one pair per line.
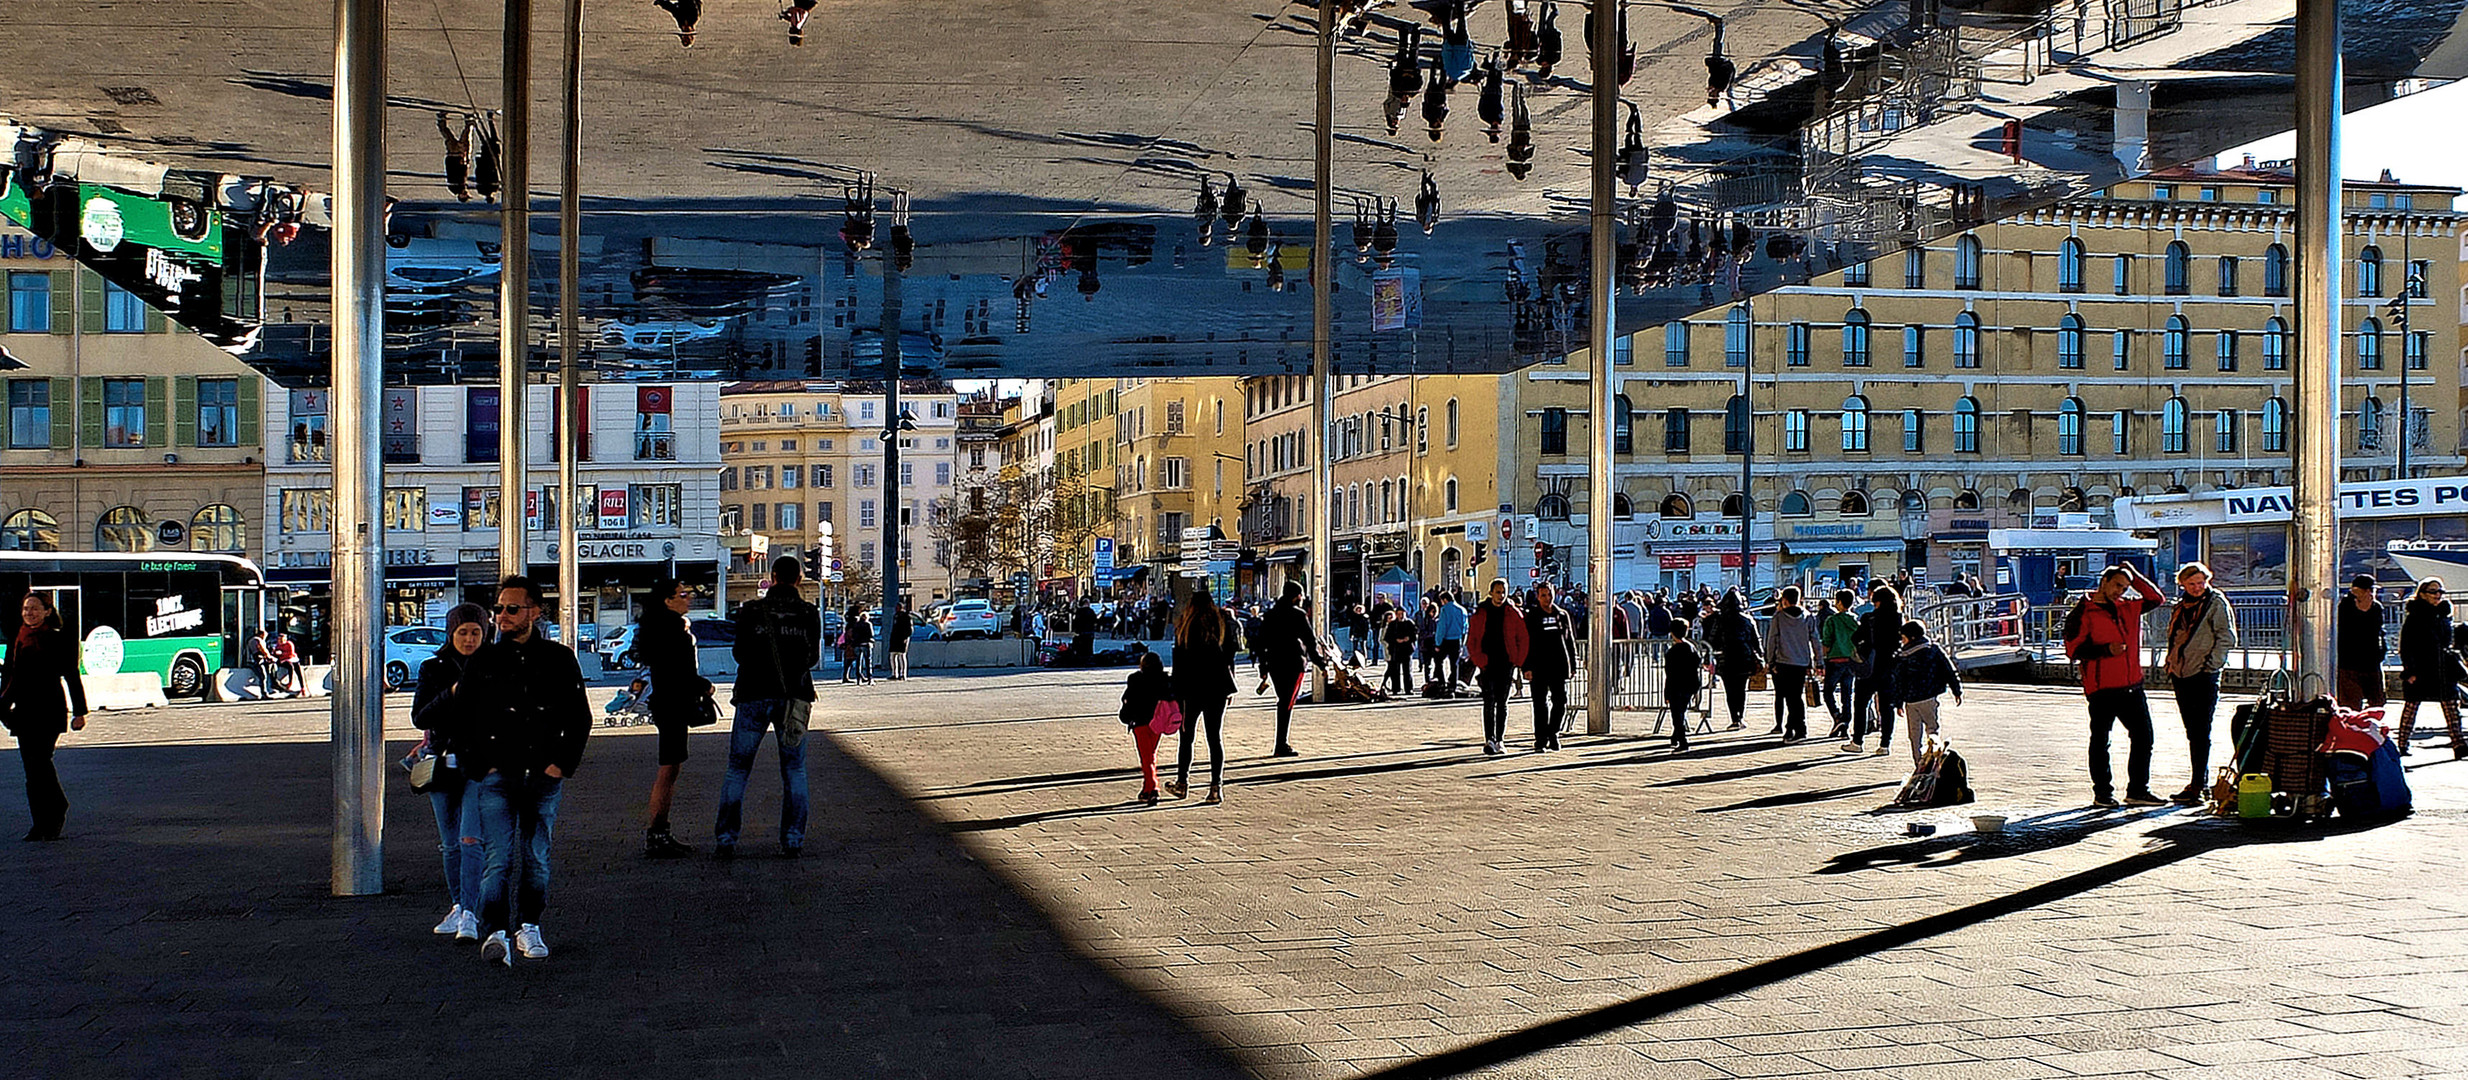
x,y
2242,534
416,591
1826,555
1683,553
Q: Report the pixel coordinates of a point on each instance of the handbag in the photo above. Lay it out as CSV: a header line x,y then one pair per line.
x,y
428,772
1168,719
706,712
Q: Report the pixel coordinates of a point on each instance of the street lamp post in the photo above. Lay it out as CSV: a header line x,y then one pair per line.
x,y
2398,308
1748,445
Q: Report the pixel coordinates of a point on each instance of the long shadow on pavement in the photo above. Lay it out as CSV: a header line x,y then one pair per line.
x,y
184,928
2170,845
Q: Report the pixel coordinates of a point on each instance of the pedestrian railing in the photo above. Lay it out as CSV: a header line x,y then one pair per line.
x,y
1636,682
1977,630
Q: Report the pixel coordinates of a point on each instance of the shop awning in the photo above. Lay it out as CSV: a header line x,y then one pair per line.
x,y
2067,540
1842,547
1295,555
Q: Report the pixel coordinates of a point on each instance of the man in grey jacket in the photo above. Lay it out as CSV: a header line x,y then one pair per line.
x,y
1793,645
2202,631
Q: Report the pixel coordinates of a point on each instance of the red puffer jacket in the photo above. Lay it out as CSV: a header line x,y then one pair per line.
x,y
2109,645
1513,636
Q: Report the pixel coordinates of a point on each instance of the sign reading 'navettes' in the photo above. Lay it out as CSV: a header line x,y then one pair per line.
x,y
2381,498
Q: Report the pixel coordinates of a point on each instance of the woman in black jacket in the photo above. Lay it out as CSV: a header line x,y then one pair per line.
x,y
2428,669
678,688
41,658
1737,655
1874,643
458,817
1204,647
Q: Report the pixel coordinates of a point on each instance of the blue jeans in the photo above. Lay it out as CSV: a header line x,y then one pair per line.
x,y
1839,681
458,840
747,737
515,810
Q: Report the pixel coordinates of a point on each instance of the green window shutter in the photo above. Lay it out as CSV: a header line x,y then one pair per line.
x,y
156,323
63,413
90,301
158,411
90,414
63,308
247,428
5,441
184,410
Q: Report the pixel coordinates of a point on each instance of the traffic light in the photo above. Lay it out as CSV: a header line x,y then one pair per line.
x,y
825,554
1482,550
1542,552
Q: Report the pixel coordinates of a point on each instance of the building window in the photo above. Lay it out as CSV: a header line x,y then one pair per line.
x,y
1452,423
2122,280
124,416
2412,349
1623,350
789,516
2266,197
1675,431
2121,349
2173,344
307,510
2224,432
1555,431
1795,431
2178,269
942,474
406,509
1853,504
758,516
2225,347
1737,331
2275,271
1796,504
2369,345
1967,426
480,508
1795,344
861,476
1914,432
1553,507
2069,342
1448,489
2420,273
30,530
2121,432
2369,424
1623,425
2227,275
2070,258
656,506
308,428
123,313
2369,272
2069,427
1967,260
1855,275
2172,426
728,478
2275,426
1677,507
1175,472
30,302
655,438
1966,340
1914,346
1736,418
2163,192
1915,268
1855,424
1675,343
124,528
1855,338
2275,345
824,476
791,476
29,414
865,513
823,510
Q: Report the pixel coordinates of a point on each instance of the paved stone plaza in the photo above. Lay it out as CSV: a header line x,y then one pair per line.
x,y
979,898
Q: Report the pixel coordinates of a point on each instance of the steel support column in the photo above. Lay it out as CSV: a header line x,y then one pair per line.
x,y
569,324
2313,563
359,274
892,317
1601,481
514,299
1324,123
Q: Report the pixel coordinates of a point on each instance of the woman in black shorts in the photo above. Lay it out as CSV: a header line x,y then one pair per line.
x,y
666,648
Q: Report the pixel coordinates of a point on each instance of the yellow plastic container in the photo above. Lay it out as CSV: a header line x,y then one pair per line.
x,y
2254,795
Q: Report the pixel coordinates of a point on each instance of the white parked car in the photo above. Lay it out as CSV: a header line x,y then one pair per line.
x,y
970,618
616,648
408,647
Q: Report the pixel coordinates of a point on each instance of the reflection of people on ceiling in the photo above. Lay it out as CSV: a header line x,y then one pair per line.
x,y
1547,40
1719,70
458,157
491,153
1456,42
687,13
1489,106
857,213
1384,234
1405,73
1520,33
1235,200
903,243
1204,212
1435,105
1427,204
1520,134
795,15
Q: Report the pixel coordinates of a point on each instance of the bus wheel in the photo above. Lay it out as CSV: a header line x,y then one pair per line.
x,y
397,676
188,677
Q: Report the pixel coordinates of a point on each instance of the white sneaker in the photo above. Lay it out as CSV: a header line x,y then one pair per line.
x,y
528,939
495,949
453,919
467,928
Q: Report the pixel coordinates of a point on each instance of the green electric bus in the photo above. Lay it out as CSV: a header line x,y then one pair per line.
x,y
176,616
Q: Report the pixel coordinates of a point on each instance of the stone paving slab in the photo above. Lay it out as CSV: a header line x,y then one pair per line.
x,y
982,899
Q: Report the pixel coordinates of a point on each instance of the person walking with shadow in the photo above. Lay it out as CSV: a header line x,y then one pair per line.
x,y
1550,656
1286,647
860,647
1876,640
795,15
1793,646
895,641
2357,629
1398,637
458,157
450,796
1683,674
1205,644
1496,646
687,13
779,643
492,152
1146,689
41,698
1737,655
2428,669
678,689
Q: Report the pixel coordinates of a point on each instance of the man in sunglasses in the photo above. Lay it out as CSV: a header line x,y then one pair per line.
x,y
520,721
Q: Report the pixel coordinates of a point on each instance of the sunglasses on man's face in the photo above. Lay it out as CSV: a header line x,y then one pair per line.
x,y
511,609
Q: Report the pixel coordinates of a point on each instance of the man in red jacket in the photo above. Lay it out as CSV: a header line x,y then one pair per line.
x,y
1495,645
2105,636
